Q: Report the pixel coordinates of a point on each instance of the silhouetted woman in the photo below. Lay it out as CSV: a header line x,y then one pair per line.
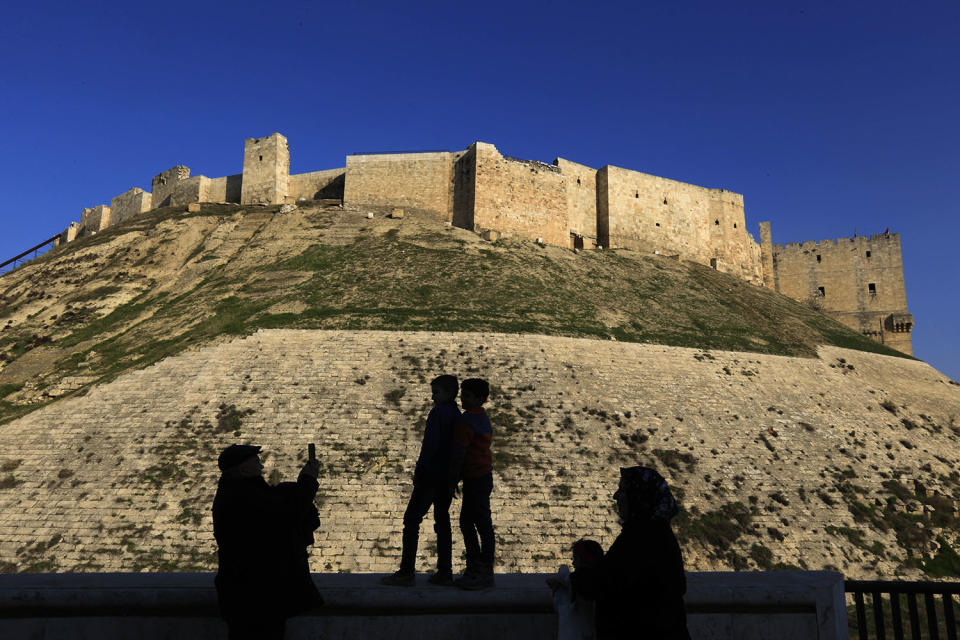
x,y
640,583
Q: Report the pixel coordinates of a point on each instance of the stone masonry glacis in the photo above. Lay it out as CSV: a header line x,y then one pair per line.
x,y
800,450
858,281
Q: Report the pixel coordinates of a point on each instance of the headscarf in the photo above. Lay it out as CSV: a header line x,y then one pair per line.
x,y
647,493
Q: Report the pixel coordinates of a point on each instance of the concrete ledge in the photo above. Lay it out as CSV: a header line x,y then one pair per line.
x,y
789,604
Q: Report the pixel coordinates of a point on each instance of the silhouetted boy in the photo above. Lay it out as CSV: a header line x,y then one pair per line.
x,y
471,459
430,488
262,534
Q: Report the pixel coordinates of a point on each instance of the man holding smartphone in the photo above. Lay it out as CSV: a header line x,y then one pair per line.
x,y
262,535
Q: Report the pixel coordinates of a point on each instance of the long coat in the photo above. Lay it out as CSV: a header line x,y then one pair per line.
x,y
262,534
639,585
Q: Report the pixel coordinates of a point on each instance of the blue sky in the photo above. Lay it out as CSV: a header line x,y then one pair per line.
x,y
830,117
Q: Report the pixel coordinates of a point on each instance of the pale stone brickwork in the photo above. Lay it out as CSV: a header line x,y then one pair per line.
x,y
766,253
128,204
316,185
94,219
581,188
70,233
415,180
163,184
859,281
525,198
122,478
225,189
190,190
649,213
266,170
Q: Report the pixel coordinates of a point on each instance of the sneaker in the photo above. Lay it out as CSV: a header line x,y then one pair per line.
x,y
475,580
399,579
441,578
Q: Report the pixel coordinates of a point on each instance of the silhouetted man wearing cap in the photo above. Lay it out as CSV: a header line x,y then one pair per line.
x,y
262,535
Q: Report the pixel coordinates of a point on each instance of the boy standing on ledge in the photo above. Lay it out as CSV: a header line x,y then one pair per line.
x,y
471,459
430,488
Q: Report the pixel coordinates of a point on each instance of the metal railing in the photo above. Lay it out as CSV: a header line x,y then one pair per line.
x,y
32,250
877,624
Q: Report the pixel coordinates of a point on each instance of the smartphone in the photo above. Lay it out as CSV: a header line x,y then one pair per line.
x,y
312,452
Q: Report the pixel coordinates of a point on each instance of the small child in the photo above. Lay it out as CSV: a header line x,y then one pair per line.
x,y
430,488
575,615
471,459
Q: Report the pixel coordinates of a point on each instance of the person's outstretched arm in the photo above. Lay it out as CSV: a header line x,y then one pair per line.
x,y
307,484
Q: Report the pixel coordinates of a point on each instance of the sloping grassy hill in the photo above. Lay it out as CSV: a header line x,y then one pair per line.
x,y
171,279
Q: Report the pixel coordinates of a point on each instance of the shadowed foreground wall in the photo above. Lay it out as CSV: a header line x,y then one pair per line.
x,y
720,606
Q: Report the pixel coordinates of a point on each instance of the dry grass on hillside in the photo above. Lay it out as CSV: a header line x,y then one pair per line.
x,y
168,280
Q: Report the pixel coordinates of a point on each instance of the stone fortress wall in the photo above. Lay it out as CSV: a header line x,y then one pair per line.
x,y
858,281
129,204
414,180
565,204
704,225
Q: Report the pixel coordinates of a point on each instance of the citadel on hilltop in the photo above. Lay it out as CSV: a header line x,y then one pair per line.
x,y
859,281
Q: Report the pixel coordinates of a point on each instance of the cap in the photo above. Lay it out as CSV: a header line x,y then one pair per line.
x,y
235,454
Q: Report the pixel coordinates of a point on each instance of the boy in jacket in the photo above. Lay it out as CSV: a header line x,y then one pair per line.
x,y
471,460
430,489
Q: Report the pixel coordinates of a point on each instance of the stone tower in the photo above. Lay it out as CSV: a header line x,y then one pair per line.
x,y
858,281
164,184
766,252
266,170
